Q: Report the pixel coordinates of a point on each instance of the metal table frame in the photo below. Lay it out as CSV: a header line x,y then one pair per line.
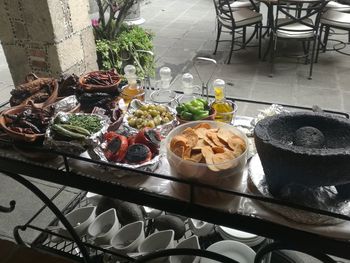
x,y
286,237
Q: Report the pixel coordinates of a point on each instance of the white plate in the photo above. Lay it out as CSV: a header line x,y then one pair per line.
x,y
232,249
236,233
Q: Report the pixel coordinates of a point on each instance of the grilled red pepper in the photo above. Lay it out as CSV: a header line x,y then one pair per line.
x,y
131,140
150,138
117,146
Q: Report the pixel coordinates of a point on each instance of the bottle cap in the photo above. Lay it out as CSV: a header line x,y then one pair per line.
x,y
187,82
130,74
165,77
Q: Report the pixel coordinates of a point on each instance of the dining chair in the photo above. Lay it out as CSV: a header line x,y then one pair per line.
x,y
231,20
298,20
237,4
336,20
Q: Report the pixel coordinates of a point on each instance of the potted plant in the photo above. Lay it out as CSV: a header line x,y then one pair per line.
x,y
118,44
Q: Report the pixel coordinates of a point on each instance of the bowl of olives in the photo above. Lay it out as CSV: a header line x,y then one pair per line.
x,y
141,115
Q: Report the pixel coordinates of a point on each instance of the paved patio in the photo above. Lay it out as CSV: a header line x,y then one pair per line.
x,y
184,29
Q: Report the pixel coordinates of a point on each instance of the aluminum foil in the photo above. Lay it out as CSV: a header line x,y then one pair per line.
x,y
97,153
324,198
75,146
67,104
274,109
163,129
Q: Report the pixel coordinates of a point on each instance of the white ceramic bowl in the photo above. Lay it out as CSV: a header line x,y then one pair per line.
x,y
80,219
200,228
231,249
158,241
128,238
191,242
104,227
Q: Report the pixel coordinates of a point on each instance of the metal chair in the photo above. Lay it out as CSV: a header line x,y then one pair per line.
x,y
337,20
237,4
232,20
298,20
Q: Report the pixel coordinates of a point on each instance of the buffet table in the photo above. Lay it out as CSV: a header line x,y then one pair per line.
x,y
241,207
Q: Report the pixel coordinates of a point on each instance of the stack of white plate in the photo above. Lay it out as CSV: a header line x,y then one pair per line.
x,y
240,236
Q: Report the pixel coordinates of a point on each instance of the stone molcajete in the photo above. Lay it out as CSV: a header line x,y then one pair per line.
x,y
311,149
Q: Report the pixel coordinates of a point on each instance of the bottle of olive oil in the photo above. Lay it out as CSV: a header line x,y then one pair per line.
x,y
132,90
224,108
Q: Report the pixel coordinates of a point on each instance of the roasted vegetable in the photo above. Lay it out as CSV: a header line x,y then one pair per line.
x,y
138,153
92,123
66,133
150,138
76,129
116,148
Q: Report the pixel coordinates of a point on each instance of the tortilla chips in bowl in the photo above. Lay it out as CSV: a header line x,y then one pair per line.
x,y
208,152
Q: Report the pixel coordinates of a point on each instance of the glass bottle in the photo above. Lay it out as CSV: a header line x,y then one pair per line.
x,y
164,95
133,90
224,109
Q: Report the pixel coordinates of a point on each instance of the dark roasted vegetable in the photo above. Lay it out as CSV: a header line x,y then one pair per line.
x,y
116,147
66,133
138,153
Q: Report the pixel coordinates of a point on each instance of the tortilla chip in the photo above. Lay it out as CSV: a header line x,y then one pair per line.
x,y
177,141
202,125
214,137
218,149
197,157
201,132
191,137
225,134
187,153
179,151
209,142
222,160
237,145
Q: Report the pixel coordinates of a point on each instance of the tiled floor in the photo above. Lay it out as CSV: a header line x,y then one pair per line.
x,y
185,29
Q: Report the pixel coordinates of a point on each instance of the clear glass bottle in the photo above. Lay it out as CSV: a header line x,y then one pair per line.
x,y
225,109
164,95
133,90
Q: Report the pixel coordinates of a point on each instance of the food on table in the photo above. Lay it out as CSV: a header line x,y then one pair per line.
x,y
128,213
134,149
204,144
96,99
150,115
38,91
30,121
76,126
196,109
148,137
102,78
138,153
68,84
117,146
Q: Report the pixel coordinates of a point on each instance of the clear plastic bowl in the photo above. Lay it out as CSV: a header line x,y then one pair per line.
x,y
201,172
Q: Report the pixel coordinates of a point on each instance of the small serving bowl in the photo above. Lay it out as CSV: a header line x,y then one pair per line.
x,y
104,227
128,238
32,80
98,88
191,242
80,219
18,136
157,241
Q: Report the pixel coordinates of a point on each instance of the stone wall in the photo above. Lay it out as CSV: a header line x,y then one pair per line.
x,y
48,37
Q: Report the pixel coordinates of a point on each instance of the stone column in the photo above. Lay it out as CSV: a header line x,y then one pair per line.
x,y
48,37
